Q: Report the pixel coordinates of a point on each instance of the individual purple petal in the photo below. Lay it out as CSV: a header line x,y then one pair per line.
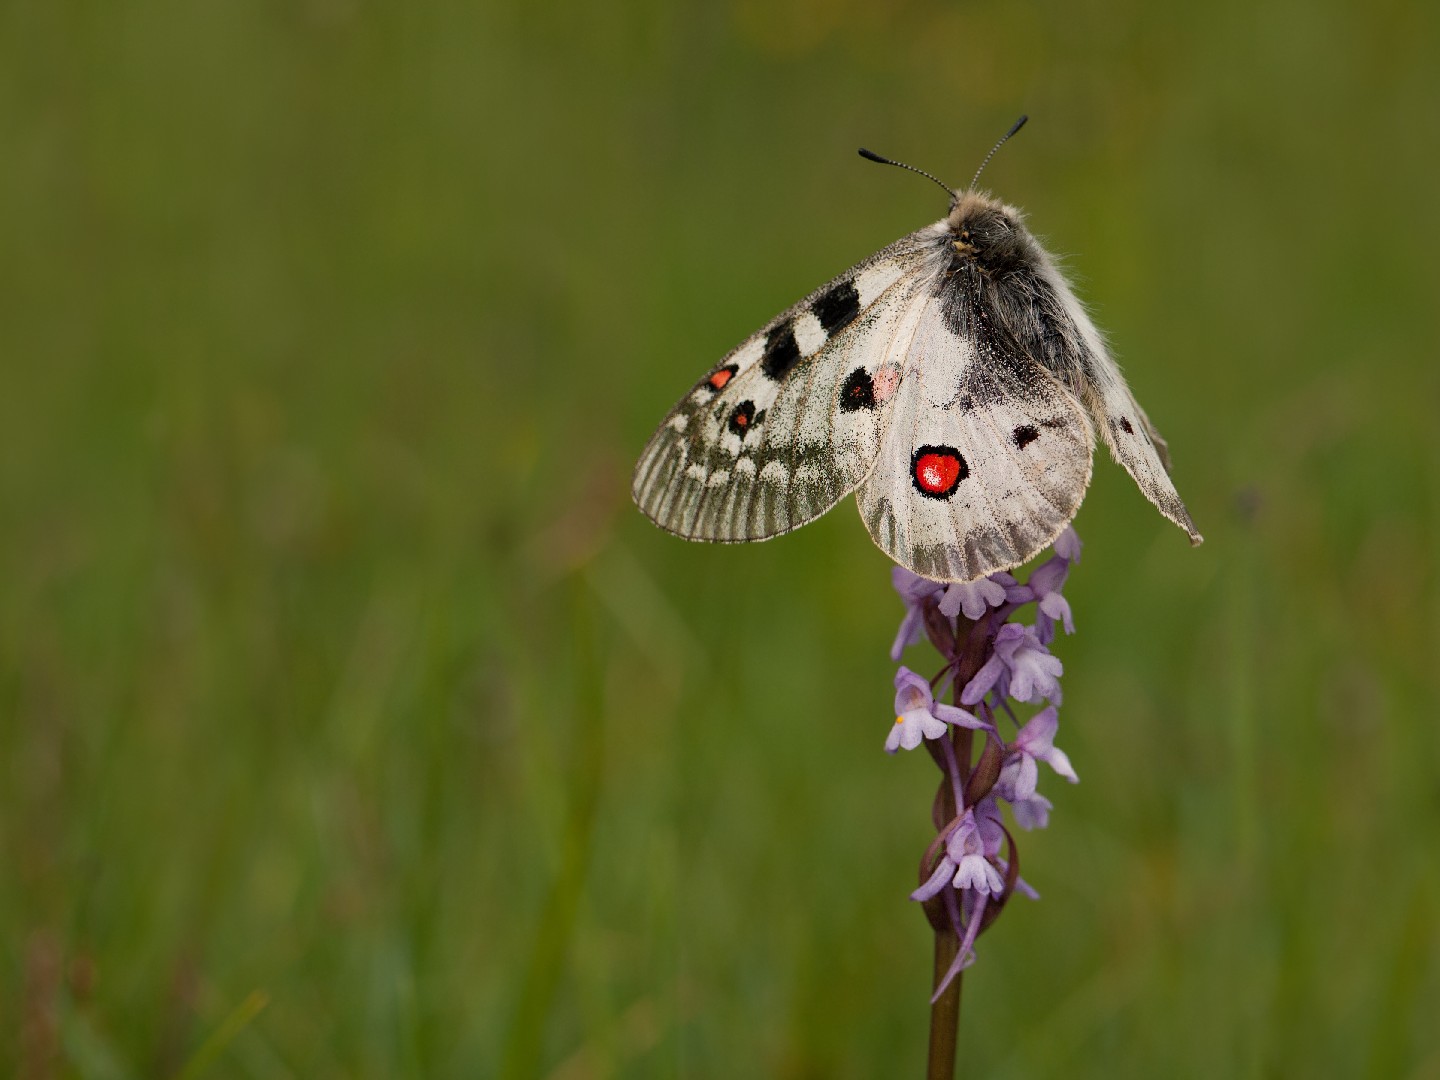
x,y
1015,592
1045,583
909,633
1067,545
959,717
989,676
1049,576
1057,607
1052,609
1032,812
941,877
1060,762
913,587
1038,734
989,825
1018,777
973,598
911,689
1023,887
1007,640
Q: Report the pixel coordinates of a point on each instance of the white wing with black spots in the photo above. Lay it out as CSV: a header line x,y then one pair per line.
x,y
985,462
789,422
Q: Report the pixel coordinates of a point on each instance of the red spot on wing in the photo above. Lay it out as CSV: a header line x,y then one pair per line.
x,y
721,377
937,472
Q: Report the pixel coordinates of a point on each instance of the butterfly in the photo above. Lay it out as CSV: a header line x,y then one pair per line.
x,y
952,381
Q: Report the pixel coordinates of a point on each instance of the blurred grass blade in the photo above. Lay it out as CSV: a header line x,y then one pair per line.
x,y
222,1036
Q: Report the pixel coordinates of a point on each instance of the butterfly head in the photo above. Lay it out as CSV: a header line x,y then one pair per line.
x,y
987,230
971,211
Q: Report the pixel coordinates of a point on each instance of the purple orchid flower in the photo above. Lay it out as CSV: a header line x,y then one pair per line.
x,y
966,862
1067,545
1050,606
1020,667
918,716
1035,742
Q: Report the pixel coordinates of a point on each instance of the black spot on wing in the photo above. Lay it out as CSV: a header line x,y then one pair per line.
x,y
858,392
1125,424
838,307
781,353
1024,435
743,418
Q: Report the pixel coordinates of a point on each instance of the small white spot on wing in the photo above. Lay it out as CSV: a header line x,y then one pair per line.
x,y
745,466
775,472
696,472
874,280
680,421
809,334
748,353
718,478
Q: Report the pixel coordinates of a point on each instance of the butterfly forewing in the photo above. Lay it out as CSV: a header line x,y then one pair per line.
x,y
784,427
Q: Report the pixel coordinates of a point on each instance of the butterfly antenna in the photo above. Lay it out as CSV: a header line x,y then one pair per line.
x,y
870,155
1003,139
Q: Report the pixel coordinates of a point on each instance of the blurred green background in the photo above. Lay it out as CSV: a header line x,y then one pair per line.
x,y
353,723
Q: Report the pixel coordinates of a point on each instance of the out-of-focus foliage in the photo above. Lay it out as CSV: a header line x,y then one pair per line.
x,y
352,721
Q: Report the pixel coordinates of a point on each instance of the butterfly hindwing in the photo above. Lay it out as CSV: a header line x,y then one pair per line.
x,y
1054,326
986,459
789,422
